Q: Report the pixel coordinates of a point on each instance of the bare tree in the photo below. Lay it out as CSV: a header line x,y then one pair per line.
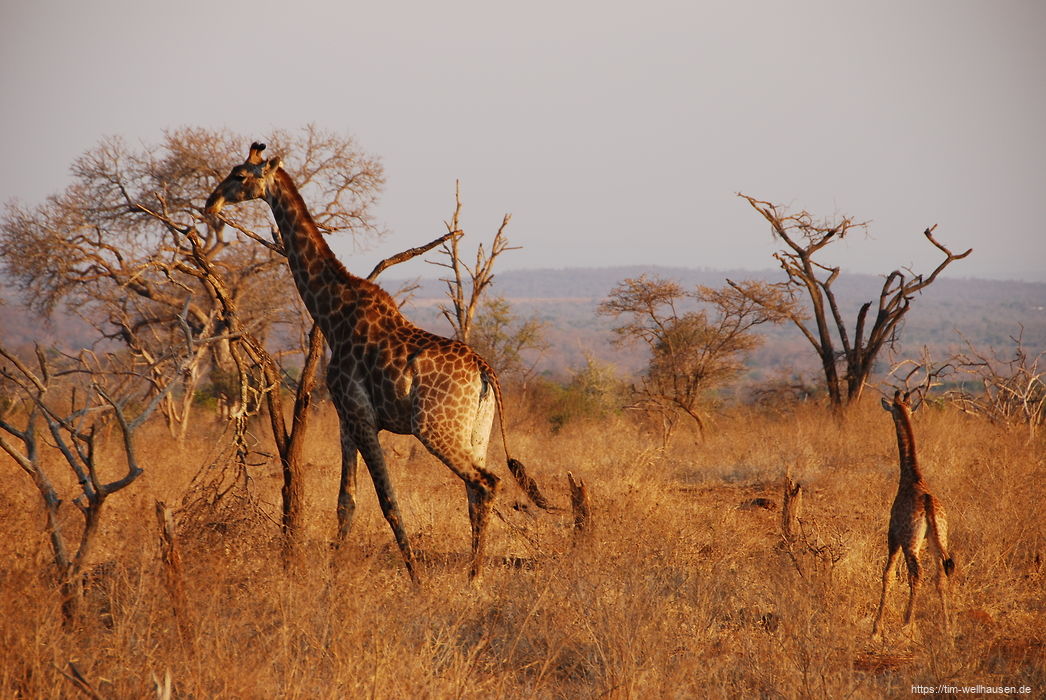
x,y
106,245
1009,389
467,284
123,245
847,361
506,341
75,399
691,351
918,377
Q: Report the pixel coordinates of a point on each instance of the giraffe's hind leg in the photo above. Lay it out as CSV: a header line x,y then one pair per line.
x,y
911,557
481,503
480,487
945,566
891,563
942,591
938,530
482,484
350,457
454,425
912,542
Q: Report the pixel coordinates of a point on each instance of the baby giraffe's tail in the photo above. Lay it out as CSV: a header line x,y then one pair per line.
x,y
939,531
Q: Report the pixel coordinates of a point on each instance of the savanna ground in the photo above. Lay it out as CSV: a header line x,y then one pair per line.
x,y
682,589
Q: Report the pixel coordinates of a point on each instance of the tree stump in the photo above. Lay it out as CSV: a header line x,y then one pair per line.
x,y
581,507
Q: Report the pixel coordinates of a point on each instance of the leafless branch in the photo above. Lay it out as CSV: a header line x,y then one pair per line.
x,y
1009,390
410,253
466,286
847,369
52,396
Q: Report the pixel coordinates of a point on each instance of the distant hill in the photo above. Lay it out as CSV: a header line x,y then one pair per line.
x,y
21,328
987,312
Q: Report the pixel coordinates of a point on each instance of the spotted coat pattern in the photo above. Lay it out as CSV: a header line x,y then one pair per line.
x,y
915,514
384,372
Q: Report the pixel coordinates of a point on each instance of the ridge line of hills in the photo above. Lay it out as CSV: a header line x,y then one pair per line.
x,y
986,312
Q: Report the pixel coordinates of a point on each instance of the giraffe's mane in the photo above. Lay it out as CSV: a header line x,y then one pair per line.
x,y
291,191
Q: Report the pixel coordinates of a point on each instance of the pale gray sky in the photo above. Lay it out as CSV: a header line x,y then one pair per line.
x,y
616,133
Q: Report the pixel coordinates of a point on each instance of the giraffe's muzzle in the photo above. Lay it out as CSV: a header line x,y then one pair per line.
x,y
212,209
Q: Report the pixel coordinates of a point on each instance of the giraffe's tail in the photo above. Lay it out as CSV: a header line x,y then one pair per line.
x,y
519,472
527,483
939,531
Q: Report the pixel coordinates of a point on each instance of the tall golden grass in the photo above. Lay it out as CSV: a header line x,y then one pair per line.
x,y
683,588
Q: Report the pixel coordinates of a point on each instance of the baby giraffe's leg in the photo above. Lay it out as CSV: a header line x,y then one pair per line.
x,y
891,562
942,591
914,575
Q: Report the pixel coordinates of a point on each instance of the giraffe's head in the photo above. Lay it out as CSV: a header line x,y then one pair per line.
x,y
248,180
901,404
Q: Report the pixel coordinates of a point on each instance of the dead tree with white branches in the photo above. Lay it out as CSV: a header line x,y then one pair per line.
x,y
67,404
1004,388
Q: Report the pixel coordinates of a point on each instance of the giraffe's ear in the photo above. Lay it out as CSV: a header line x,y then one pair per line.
x,y
274,163
886,406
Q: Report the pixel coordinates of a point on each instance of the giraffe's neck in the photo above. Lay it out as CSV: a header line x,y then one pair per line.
x,y
906,448
320,277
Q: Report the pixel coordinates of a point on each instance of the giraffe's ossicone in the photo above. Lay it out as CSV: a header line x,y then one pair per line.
x,y
384,373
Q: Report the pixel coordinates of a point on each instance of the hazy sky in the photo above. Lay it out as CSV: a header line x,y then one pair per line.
x,y
615,133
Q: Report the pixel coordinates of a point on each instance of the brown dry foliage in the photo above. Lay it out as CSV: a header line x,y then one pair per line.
x,y
681,590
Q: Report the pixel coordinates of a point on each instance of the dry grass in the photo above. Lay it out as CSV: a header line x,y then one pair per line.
x,y
682,591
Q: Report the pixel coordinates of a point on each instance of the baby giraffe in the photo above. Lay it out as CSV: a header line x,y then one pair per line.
x,y
915,511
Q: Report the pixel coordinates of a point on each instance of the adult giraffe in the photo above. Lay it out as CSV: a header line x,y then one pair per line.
x,y
385,373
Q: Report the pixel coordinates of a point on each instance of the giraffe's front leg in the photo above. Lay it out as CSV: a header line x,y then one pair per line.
x,y
348,412
374,458
891,560
359,435
350,459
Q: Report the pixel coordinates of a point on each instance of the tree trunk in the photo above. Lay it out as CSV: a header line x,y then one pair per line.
x,y
290,444
173,577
